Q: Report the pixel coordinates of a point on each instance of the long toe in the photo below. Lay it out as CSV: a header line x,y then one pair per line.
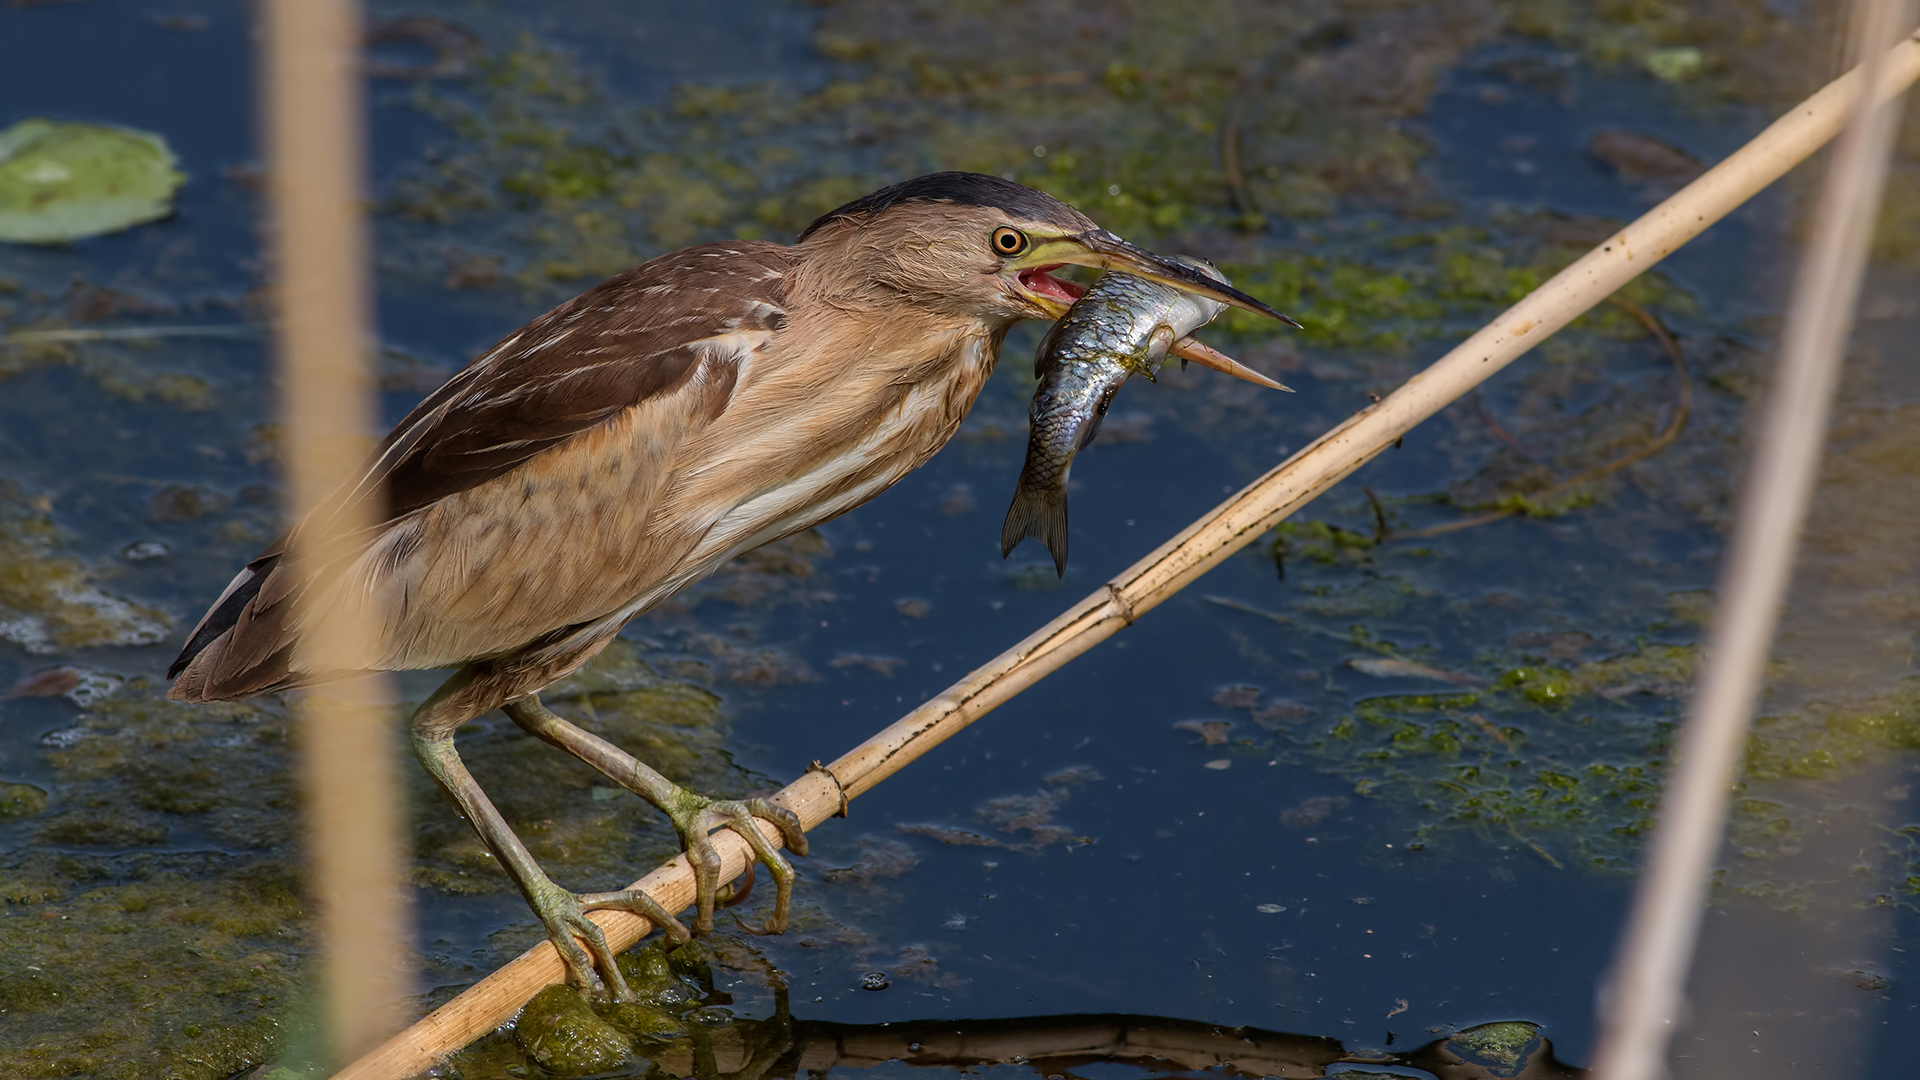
x,y
640,903
579,967
788,822
591,968
603,959
739,816
705,860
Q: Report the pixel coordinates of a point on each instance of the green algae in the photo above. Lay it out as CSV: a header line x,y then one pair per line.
x,y
1411,286
1677,63
120,959
1320,541
179,973
1743,50
1504,1045
215,943
1511,763
1562,760
559,1032
50,601
671,1018
1542,686
39,336
1135,108
1834,737
21,800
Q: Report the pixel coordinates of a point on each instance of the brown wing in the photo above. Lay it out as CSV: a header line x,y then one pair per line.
x,y
633,337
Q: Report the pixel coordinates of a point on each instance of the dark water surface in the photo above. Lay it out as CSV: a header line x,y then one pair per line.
x,y
1216,817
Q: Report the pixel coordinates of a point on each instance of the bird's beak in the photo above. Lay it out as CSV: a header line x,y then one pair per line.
x,y
1102,250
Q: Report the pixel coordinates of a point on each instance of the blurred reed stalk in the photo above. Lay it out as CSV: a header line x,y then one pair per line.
x,y
313,121
1642,1002
1245,517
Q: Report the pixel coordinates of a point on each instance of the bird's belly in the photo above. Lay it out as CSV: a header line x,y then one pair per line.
x,y
837,483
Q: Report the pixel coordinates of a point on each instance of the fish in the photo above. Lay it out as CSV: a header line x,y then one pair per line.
x,y
1123,326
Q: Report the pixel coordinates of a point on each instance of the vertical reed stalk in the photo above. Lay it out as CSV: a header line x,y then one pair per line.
x,y
1642,1004
315,141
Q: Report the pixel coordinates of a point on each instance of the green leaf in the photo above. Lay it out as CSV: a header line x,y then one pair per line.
x,y
61,182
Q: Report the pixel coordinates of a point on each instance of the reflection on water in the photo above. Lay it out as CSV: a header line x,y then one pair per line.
x,y
681,1027
1392,795
1072,1046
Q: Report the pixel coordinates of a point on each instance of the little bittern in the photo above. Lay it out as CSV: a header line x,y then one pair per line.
x,y
634,439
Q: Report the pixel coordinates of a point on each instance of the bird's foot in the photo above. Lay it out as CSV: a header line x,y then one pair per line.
x,y
592,968
695,816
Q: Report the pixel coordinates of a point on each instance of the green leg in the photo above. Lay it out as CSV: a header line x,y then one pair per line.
x,y
562,912
694,816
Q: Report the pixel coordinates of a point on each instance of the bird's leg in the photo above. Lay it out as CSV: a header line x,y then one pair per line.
x,y
562,912
694,816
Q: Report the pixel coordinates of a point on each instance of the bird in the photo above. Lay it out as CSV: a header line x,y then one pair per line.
x,y
630,442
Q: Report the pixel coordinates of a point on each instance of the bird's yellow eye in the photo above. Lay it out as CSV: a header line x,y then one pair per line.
x,y
1009,241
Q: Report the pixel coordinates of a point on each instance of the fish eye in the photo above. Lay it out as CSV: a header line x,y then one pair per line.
x,y
1008,241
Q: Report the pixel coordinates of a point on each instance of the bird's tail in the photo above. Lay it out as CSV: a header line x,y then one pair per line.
x,y
1042,512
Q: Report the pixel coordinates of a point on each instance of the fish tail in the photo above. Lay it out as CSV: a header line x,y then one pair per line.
x,y
1037,512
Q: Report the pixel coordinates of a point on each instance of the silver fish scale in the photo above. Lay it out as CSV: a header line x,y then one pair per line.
x,y
1116,319
1107,335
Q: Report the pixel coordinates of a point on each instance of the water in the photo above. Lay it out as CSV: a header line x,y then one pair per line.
x,y
1376,860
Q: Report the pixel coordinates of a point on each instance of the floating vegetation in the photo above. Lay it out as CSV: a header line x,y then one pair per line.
x,y
66,181
51,602
215,939
1134,115
129,968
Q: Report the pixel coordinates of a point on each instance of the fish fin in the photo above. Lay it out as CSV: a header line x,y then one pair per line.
x,y
1093,425
1040,514
1157,347
1093,428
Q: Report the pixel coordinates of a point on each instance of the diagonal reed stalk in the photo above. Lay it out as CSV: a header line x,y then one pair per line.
x,y
823,792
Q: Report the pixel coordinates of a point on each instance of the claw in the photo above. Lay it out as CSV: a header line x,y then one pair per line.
x,y
700,816
737,895
592,968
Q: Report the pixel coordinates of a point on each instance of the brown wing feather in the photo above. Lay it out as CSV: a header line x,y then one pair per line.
x,y
625,340
634,337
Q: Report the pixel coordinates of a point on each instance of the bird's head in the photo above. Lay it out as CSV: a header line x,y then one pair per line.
x,y
983,248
